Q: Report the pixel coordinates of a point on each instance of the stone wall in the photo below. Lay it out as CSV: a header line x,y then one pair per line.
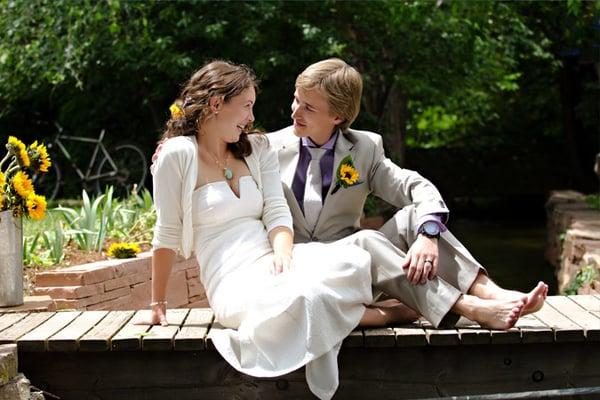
x,y
120,284
573,238
13,385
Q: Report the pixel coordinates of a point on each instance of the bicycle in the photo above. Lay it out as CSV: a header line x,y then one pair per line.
x,y
124,166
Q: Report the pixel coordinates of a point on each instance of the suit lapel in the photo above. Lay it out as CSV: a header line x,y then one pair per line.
x,y
343,147
288,160
289,153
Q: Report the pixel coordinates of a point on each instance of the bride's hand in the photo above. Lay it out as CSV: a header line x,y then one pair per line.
x,y
157,316
281,262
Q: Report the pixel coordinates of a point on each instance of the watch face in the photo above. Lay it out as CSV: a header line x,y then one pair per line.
x,y
431,228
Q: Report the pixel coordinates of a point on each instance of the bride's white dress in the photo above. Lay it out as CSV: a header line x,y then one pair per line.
x,y
275,323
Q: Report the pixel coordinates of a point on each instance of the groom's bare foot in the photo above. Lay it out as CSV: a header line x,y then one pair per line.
x,y
485,288
491,314
536,298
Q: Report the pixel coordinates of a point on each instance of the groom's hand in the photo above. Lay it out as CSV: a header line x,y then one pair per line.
x,y
422,260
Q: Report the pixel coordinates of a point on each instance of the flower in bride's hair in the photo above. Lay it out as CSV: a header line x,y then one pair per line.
x,y
176,111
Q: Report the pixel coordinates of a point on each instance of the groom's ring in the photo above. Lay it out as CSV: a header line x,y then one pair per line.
x,y
429,261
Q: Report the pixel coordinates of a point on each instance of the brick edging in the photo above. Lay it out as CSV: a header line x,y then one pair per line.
x,y
120,284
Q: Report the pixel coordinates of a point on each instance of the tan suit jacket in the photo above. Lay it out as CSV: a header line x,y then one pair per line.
x,y
342,210
413,195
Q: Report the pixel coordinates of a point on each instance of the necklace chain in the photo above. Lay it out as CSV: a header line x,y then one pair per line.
x,y
227,172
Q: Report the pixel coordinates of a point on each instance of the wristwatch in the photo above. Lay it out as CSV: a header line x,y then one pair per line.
x,y
430,229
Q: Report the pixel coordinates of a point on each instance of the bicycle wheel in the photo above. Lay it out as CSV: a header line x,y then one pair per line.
x,y
131,169
48,184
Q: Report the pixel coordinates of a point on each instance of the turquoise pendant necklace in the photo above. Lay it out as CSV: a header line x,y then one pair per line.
x,y
227,172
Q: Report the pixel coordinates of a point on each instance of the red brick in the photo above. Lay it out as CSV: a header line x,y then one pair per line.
x,y
57,278
83,303
192,272
70,292
177,292
127,280
133,266
195,288
120,303
198,304
197,298
63,304
183,264
113,294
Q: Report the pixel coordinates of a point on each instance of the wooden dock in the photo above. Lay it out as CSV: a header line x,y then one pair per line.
x,y
103,355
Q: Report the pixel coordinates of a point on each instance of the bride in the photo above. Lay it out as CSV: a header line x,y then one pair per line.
x,y
218,193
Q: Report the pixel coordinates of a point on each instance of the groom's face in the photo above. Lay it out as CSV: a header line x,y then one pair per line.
x,y
312,116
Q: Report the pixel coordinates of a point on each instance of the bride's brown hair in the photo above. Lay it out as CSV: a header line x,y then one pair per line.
x,y
216,78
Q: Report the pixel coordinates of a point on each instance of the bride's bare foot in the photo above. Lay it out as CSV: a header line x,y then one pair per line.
x,y
388,312
491,314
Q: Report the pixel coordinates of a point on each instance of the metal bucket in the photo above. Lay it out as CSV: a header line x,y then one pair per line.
x,y
11,260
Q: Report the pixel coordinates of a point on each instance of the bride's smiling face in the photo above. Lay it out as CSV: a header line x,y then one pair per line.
x,y
233,116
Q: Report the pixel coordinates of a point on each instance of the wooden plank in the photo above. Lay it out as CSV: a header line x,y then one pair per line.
x,y
564,329
37,339
440,337
6,320
533,330
374,373
380,337
192,334
31,321
470,332
214,327
573,311
98,339
356,338
160,338
589,302
67,339
509,336
129,337
410,335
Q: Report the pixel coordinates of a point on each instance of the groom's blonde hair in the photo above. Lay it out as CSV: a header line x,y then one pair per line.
x,y
340,83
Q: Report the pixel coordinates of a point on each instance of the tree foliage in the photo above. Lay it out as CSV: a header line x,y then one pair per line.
x,y
436,73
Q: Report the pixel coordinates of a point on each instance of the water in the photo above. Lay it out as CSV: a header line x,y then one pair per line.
x,y
511,250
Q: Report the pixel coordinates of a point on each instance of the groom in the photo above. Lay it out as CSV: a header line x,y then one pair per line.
x,y
328,170
327,197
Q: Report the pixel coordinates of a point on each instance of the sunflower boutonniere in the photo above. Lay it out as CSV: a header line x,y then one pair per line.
x,y
346,175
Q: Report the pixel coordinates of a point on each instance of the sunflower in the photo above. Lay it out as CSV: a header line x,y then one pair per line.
x,y
16,147
176,111
36,206
348,174
123,250
2,190
39,157
22,184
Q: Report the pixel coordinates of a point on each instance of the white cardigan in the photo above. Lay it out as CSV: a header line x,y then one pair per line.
x,y
174,179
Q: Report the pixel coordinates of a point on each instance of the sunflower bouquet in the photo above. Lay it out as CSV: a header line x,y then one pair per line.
x,y
17,191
